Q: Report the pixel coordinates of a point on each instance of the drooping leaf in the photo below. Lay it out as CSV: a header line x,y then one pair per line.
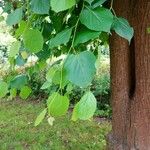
x,y
80,68
85,108
40,6
99,19
14,49
25,92
33,40
61,5
85,35
122,28
15,17
19,81
61,38
40,117
3,89
57,104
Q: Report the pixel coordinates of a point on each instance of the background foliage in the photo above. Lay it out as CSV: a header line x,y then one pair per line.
x,y
74,29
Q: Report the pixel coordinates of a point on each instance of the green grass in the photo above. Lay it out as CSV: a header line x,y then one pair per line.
x,y
17,131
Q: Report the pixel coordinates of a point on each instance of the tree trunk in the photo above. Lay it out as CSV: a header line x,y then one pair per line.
x,y
130,80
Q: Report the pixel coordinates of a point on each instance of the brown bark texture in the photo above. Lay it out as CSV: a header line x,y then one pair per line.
x,y
130,79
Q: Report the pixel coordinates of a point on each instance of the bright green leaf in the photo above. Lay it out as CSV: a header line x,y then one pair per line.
x,y
3,89
40,6
15,17
122,28
61,38
33,40
25,92
61,5
85,108
57,104
22,27
40,117
99,19
13,93
14,49
80,68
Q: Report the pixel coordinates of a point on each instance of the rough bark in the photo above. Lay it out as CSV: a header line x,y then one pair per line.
x,y
130,80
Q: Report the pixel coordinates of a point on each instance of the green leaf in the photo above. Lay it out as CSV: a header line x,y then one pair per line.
x,y
61,5
20,61
40,117
15,17
3,89
60,78
89,1
122,28
40,6
13,93
61,38
14,49
21,29
46,85
97,3
19,81
50,74
57,104
33,40
85,108
80,68
85,35
25,92
99,19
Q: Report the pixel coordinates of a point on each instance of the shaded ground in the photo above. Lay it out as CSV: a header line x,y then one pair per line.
x,y
18,133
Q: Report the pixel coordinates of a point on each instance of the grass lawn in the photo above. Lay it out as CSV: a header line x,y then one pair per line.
x,y
17,131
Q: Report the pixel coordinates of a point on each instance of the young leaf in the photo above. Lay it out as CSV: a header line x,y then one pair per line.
x,y
57,105
15,17
33,40
40,117
99,19
3,89
122,28
80,68
40,6
61,38
25,92
14,49
61,5
85,108
85,35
